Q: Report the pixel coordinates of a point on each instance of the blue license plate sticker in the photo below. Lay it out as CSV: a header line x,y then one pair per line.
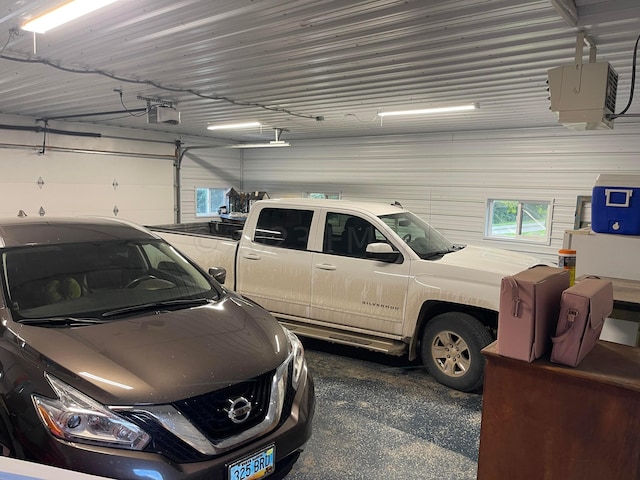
x,y
257,465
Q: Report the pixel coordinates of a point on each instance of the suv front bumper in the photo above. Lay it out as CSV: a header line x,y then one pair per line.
x,y
289,439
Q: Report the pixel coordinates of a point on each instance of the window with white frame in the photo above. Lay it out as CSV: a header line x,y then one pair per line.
x,y
519,220
209,200
331,195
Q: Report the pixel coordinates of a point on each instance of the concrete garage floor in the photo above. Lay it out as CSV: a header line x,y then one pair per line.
x,y
379,417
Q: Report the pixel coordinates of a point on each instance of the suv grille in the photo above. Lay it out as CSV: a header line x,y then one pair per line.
x,y
207,413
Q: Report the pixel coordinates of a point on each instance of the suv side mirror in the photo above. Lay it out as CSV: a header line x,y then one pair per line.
x,y
382,252
219,274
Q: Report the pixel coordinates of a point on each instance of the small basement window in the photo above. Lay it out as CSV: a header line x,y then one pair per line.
x,y
519,220
209,200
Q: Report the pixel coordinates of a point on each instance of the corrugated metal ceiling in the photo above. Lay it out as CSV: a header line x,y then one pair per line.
x,y
290,63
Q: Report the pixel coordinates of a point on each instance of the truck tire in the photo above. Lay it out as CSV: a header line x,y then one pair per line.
x,y
450,349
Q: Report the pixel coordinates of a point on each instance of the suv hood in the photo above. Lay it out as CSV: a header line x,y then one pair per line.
x,y
160,358
494,260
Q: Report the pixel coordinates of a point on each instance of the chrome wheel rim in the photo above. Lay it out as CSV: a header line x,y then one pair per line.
x,y
451,354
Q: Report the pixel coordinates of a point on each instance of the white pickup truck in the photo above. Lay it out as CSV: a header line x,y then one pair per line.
x,y
369,275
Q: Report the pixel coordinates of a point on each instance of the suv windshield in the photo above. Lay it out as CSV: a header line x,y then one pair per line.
x,y
99,280
421,237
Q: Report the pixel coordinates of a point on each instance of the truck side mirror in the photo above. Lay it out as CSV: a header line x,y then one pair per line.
x,y
219,274
382,252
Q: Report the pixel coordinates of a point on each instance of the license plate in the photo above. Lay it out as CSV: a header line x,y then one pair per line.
x,y
258,465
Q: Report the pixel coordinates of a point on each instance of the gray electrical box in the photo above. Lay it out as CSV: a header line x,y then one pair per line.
x,y
584,94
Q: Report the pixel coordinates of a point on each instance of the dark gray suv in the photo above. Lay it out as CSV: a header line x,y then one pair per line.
x,y
120,357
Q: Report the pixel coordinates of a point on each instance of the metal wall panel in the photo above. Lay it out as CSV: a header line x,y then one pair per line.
x,y
447,178
208,168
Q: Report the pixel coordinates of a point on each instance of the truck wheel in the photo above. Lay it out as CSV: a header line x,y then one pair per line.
x,y
450,349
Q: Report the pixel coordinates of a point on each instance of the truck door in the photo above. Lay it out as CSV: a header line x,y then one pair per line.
x,y
274,267
352,290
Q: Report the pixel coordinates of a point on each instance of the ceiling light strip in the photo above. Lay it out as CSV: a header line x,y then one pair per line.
x,y
260,145
63,14
429,111
234,126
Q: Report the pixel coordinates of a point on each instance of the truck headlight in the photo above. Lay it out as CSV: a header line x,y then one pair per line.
x,y
297,358
75,417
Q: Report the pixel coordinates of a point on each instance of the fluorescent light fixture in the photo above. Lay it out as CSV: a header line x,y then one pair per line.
x,y
63,14
278,143
274,143
428,111
234,126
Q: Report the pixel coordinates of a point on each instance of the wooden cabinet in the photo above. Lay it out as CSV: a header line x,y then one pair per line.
x,y
544,421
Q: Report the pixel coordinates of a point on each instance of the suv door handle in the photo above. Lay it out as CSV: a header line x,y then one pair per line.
x,y
325,266
251,256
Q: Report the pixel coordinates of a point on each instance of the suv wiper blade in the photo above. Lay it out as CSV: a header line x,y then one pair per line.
x,y
438,253
61,321
156,305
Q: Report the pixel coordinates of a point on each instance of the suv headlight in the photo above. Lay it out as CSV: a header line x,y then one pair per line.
x,y
297,354
75,417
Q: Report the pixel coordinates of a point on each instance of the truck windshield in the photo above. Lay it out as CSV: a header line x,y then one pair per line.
x,y
93,280
421,237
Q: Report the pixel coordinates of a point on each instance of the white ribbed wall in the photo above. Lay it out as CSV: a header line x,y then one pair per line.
x,y
209,168
447,178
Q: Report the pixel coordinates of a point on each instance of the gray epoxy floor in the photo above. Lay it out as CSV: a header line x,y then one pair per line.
x,y
380,417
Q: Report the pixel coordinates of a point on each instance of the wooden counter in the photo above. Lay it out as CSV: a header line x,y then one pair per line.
x,y
544,421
